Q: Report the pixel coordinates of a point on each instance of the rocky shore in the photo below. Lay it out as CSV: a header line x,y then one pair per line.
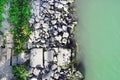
x,y
51,46
52,43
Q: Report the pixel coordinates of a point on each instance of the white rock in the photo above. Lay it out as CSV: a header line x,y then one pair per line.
x,y
63,2
64,56
33,79
4,78
31,21
56,76
55,26
46,5
58,38
42,41
21,58
54,67
37,19
48,57
37,25
60,29
55,33
45,25
54,21
36,72
37,3
64,40
64,28
71,1
65,34
59,5
36,57
36,34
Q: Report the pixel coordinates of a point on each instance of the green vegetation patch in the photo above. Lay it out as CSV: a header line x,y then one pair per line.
x,y
19,16
2,3
20,72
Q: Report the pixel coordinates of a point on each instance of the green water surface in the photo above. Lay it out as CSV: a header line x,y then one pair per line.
x,y
98,37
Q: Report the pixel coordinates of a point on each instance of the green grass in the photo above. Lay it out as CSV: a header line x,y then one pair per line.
x,y
19,16
2,3
20,72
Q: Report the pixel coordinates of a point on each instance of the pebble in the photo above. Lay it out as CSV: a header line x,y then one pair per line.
x,y
64,28
37,25
64,40
31,21
65,34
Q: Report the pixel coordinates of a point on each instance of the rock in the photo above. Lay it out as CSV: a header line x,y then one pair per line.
x,y
58,38
46,5
36,72
58,5
55,33
31,21
64,28
56,76
37,25
54,67
37,19
21,58
43,41
33,79
45,25
71,1
63,2
64,40
37,3
36,57
31,70
48,57
65,34
53,22
55,26
60,29
64,56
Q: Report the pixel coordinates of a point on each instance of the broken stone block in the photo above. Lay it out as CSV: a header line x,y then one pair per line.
x,y
36,57
64,56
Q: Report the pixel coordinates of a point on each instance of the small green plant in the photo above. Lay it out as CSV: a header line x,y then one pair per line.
x,y
2,3
19,16
20,72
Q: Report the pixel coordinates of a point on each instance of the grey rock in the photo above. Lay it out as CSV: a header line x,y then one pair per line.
x,y
65,34
64,40
36,72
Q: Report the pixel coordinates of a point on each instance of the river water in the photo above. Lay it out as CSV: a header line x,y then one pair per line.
x,y
98,38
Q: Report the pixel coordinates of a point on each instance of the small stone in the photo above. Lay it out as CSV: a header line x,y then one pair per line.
x,y
54,21
55,33
58,38
63,2
46,5
64,40
65,34
42,41
33,79
37,25
58,5
64,28
54,67
36,72
37,3
37,19
31,21
31,71
56,76
60,29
